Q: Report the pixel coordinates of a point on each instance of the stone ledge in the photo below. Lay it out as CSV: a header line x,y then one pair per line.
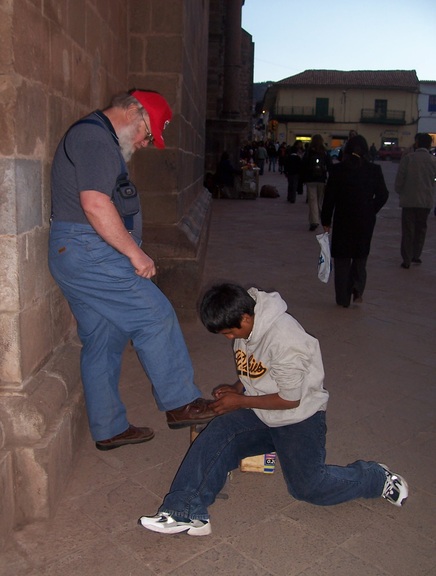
x,y
43,469
26,415
43,431
7,497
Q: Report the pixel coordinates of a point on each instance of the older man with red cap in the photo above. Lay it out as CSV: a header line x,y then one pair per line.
x,y
95,256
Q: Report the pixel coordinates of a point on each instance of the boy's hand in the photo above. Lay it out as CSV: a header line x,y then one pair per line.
x,y
228,401
223,389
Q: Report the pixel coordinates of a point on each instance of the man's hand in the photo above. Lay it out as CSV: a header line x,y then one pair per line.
x,y
143,265
106,221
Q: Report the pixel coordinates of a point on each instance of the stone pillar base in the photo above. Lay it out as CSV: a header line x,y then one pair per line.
x,y
42,432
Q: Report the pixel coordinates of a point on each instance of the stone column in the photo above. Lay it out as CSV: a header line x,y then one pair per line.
x,y
232,59
170,41
47,69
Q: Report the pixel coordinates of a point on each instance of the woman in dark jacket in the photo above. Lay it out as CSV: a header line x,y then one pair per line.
x,y
354,193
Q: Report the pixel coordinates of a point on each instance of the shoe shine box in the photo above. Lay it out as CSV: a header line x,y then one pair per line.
x,y
262,463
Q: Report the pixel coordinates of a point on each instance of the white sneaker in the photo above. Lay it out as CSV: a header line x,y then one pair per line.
x,y
396,488
166,524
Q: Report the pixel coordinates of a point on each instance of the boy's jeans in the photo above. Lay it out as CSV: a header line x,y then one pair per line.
x,y
301,451
113,305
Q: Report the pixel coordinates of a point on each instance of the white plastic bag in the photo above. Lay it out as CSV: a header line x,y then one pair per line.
x,y
324,262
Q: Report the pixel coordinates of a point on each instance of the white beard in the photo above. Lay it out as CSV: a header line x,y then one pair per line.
x,y
126,136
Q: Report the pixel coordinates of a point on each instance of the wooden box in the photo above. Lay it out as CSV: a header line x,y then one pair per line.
x,y
264,463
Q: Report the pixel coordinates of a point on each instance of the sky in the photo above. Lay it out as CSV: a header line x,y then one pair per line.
x,y
291,36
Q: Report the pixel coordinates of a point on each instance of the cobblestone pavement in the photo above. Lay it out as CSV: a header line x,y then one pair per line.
x,y
380,371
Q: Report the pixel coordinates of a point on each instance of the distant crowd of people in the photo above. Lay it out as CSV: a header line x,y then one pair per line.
x,y
345,196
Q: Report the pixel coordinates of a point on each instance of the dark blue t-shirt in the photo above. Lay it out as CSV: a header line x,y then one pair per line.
x,y
87,158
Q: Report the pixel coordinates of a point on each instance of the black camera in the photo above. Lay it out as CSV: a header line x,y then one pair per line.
x,y
125,196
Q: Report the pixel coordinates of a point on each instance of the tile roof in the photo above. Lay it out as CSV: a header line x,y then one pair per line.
x,y
392,79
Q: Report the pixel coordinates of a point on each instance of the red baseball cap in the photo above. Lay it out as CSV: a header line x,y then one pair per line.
x,y
158,111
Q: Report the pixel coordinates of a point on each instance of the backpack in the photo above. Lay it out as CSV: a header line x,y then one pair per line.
x,y
316,169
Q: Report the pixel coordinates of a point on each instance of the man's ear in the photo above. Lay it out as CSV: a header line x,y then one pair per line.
x,y
132,112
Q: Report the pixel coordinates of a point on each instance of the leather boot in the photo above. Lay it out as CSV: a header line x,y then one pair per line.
x,y
196,412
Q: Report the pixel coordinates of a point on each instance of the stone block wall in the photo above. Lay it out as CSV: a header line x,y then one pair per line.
x,y
174,37
59,60
230,83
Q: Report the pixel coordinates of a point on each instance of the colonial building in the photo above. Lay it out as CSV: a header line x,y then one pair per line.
x,y
380,105
427,108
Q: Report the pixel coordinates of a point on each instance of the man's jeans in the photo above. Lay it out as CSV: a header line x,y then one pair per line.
x,y
113,305
414,230
301,451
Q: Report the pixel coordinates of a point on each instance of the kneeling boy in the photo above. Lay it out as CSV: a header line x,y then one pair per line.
x,y
277,405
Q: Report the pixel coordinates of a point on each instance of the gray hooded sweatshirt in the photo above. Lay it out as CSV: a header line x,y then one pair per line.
x,y
280,357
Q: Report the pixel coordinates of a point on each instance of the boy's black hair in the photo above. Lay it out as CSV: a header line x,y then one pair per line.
x,y
223,306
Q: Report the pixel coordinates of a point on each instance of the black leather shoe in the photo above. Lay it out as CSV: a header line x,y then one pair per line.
x,y
197,412
404,265
417,260
132,435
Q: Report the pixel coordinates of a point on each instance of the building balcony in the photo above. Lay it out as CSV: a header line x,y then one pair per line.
x,y
301,114
368,116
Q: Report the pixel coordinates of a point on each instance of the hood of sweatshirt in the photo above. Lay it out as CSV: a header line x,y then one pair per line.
x,y
269,307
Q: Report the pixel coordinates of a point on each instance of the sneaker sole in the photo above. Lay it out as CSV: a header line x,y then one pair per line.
x,y
160,528
401,502
191,530
201,531
406,486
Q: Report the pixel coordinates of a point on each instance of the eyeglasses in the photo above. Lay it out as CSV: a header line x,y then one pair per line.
x,y
148,135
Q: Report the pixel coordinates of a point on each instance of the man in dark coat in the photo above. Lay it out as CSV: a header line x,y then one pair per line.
x,y
355,192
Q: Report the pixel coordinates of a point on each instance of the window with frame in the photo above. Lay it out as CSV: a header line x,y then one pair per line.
x,y
381,108
432,103
322,107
